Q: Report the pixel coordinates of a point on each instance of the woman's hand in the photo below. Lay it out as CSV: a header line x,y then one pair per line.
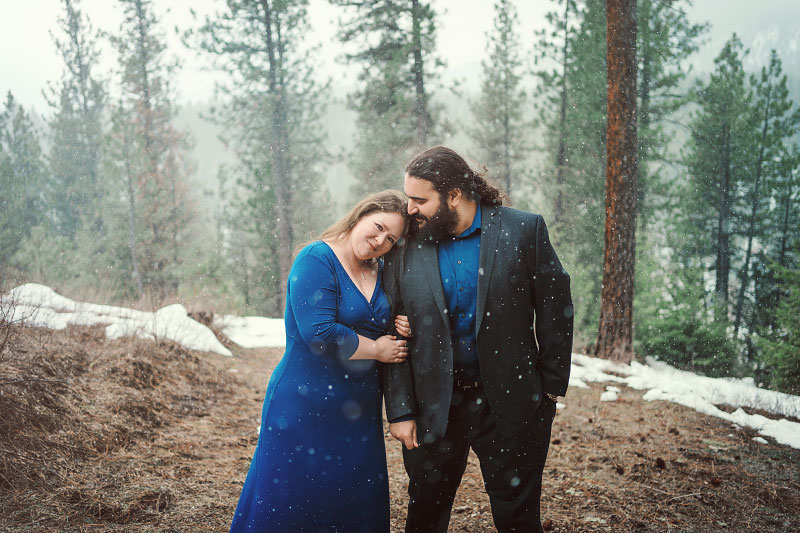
x,y
402,325
391,349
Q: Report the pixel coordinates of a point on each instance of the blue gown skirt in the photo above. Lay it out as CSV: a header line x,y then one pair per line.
x,y
320,461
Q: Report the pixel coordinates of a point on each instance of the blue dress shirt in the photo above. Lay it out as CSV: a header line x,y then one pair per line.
x,y
458,268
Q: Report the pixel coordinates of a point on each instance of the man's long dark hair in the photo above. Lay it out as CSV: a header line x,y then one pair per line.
x,y
447,170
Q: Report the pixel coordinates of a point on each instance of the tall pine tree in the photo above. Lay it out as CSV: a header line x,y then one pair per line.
x,y
76,129
394,43
500,130
720,161
271,112
615,333
23,185
572,104
151,190
775,119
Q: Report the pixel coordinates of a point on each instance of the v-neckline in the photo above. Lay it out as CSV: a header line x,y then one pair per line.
x,y
352,282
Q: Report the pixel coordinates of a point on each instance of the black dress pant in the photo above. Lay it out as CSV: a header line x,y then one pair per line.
x,y
511,467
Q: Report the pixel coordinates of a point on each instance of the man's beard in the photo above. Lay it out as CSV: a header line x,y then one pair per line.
x,y
441,225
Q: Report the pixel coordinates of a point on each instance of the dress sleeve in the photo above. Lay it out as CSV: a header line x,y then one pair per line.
x,y
313,297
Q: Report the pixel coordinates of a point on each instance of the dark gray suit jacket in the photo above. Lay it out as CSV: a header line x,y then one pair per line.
x,y
523,319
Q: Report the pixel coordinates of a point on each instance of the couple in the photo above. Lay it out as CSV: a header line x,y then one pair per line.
x,y
483,317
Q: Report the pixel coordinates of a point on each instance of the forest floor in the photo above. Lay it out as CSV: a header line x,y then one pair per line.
x,y
134,435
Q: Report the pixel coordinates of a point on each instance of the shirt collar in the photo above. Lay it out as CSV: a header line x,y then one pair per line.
x,y
475,226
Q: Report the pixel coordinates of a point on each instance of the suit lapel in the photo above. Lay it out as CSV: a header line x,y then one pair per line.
x,y
430,264
490,233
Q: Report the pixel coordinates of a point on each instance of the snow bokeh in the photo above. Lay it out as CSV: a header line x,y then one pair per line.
x,y
38,305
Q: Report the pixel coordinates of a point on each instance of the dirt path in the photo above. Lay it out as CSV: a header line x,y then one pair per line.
x,y
172,433
629,465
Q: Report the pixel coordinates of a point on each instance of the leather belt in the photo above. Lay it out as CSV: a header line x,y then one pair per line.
x,y
465,384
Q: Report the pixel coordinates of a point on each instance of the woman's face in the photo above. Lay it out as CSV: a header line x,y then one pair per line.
x,y
375,234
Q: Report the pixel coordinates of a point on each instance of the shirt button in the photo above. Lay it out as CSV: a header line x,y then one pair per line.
x,y
461,288
459,261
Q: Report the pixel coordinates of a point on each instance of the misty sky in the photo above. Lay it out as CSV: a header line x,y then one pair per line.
x,y
28,59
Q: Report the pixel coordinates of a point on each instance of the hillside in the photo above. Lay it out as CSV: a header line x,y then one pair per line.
x,y
135,435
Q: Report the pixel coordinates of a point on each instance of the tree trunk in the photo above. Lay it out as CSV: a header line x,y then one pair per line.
x,y
645,89
723,265
744,276
785,226
784,236
136,274
562,128
507,135
420,104
278,155
615,336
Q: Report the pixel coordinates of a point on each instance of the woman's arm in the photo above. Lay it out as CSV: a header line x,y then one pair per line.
x,y
386,349
312,295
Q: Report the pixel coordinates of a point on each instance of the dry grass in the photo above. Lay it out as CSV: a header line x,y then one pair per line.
x,y
133,435
81,419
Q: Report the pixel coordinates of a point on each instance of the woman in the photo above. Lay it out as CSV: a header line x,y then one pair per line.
x,y
320,461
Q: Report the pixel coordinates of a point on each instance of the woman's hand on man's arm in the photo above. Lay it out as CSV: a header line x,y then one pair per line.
x,y
386,349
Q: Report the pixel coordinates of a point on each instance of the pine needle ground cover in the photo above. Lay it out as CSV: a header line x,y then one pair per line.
x,y
133,435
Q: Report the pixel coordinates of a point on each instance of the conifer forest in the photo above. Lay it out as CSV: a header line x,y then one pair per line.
x,y
110,191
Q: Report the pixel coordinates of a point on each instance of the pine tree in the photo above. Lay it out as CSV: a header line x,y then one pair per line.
x,y
23,183
271,112
571,98
776,119
395,42
615,333
500,130
719,161
76,128
553,45
571,182
152,190
781,345
665,39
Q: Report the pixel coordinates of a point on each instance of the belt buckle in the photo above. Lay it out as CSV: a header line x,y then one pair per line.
x,y
463,384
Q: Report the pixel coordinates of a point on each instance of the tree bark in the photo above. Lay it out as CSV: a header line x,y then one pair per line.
x,y
645,90
562,128
420,104
723,265
137,276
615,336
751,227
278,151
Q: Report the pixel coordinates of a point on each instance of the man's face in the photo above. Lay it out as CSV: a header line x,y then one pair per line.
x,y
435,219
423,199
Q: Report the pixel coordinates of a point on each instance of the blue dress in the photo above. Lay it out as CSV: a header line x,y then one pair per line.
x,y
320,461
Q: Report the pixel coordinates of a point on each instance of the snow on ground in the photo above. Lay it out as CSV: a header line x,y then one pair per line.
x,y
38,305
252,331
700,393
661,381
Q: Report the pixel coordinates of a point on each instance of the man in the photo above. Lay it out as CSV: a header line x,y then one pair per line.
x,y
490,316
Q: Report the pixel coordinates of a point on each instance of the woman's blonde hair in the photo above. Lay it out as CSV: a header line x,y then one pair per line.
x,y
388,201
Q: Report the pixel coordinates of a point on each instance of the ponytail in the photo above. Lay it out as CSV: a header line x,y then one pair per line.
x,y
447,170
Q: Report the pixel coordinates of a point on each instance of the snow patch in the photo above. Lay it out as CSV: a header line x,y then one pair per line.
x,y
252,331
611,394
701,393
38,305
